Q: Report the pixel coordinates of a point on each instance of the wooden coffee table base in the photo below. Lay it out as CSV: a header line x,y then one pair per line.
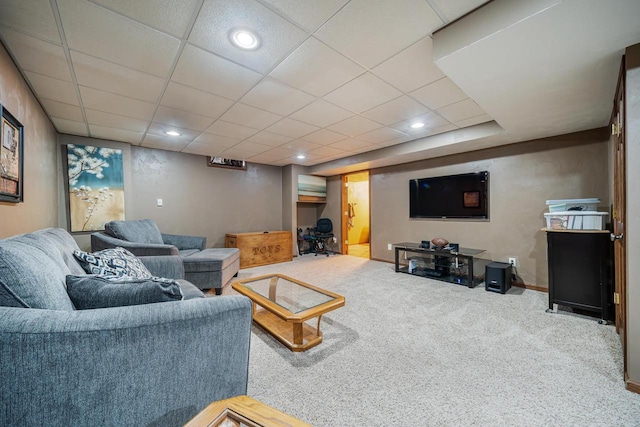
x,y
297,336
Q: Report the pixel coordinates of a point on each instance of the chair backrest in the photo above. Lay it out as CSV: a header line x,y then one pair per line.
x,y
324,225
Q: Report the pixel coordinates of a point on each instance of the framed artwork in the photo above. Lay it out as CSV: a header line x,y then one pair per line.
x,y
312,188
96,186
11,158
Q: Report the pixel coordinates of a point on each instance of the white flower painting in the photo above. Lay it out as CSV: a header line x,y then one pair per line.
x,y
96,186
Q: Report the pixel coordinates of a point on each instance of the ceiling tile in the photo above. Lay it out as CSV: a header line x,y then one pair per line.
x,y
216,140
163,143
69,126
430,120
54,89
461,110
393,111
234,153
263,158
168,16
329,151
34,17
269,138
61,110
316,68
455,9
355,126
116,104
109,120
110,77
203,149
182,119
218,18
36,55
242,114
370,31
400,70
393,142
194,101
381,135
308,14
231,130
276,97
321,113
114,134
211,73
300,146
324,137
438,94
363,93
280,153
292,128
159,129
352,144
93,29
252,147
474,121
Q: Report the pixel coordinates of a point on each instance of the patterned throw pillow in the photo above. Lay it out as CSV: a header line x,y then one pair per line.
x,y
115,262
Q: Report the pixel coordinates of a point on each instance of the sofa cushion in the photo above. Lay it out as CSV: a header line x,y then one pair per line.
x,y
189,290
213,259
139,231
30,278
113,262
66,244
94,291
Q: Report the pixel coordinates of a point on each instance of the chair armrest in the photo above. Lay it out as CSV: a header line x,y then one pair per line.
x,y
169,266
154,364
101,241
185,242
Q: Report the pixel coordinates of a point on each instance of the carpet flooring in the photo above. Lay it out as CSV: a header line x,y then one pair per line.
x,y
411,351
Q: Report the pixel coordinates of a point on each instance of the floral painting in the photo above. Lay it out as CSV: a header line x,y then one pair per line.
x,y
96,186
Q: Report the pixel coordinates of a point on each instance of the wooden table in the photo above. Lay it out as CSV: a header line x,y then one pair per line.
x,y
282,305
242,411
261,248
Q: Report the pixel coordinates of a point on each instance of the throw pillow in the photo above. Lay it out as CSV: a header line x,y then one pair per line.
x,y
113,262
93,291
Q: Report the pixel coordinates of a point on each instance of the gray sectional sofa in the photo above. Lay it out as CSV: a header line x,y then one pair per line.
x,y
146,365
211,268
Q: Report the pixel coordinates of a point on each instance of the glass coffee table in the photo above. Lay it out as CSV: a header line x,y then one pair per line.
x,y
282,305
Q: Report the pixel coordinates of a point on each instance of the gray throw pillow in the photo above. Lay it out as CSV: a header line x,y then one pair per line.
x,y
113,262
138,231
92,291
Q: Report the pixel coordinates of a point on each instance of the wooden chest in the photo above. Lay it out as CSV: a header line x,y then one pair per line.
x,y
261,248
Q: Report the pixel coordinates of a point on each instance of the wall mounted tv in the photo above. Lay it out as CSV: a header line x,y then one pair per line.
x,y
452,196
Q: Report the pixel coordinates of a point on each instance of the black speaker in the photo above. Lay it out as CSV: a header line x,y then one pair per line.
x,y
425,244
455,247
497,277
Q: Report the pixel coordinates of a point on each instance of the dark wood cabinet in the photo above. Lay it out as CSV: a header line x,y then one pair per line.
x,y
580,271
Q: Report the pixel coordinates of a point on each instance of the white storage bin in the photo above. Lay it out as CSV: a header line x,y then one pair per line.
x,y
575,220
562,205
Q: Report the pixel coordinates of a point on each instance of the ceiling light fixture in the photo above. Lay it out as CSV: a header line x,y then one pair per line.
x,y
301,156
245,39
417,125
173,133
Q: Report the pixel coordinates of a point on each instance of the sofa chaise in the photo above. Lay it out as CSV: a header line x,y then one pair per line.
x,y
206,268
157,364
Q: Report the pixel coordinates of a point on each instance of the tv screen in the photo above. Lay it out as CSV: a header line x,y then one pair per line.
x,y
452,196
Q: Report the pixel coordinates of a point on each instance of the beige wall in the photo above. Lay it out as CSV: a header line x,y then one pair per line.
x,y
40,206
522,177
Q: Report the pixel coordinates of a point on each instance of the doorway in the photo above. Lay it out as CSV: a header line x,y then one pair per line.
x,y
356,224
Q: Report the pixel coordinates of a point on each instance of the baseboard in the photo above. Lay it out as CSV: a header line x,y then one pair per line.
x,y
633,386
382,260
532,287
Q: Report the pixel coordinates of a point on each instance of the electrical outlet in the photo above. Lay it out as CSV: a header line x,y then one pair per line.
x,y
513,261
389,247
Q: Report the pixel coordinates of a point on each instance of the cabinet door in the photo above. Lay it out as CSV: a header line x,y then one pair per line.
x,y
576,268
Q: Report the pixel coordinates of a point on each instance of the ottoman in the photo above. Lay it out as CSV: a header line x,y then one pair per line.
x,y
211,268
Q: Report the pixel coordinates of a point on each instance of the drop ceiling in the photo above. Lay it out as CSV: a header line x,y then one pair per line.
x,y
337,81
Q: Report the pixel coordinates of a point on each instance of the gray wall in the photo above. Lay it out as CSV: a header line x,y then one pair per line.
x,y
522,177
40,153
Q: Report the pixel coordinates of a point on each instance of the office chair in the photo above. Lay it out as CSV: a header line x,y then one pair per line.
x,y
321,234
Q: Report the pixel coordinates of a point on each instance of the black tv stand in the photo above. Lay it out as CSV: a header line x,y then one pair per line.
x,y
459,267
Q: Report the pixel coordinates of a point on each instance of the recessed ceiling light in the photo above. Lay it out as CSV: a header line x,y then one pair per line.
x,y
417,125
245,39
301,156
173,133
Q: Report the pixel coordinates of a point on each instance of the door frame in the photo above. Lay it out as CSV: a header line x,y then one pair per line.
x,y
345,211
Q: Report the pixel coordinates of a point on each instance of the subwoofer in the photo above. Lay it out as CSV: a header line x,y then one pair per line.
x,y
497,277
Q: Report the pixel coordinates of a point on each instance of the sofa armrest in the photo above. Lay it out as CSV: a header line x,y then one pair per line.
x,y
101,241
185,242
155,364
169,266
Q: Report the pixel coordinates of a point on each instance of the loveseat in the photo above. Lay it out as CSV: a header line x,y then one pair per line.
x,y
146,365
206,268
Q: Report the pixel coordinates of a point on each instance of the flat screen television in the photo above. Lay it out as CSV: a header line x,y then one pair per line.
x,y
452,196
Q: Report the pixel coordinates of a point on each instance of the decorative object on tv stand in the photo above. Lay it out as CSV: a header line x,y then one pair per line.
x,y
11,158
439,242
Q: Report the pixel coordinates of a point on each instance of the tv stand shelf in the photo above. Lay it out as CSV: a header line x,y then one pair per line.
x,y
460,267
